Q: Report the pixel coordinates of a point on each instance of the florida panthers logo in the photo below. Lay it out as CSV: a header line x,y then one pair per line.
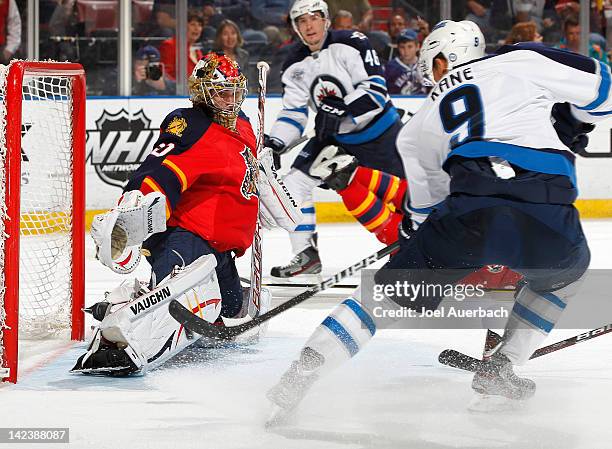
x,y
325,86
251,174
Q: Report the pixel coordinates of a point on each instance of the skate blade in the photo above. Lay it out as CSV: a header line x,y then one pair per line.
x,y
302,278
279,416
115,371
486,403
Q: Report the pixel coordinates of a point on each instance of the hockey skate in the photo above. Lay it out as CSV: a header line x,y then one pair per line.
x,y
305,262
498,387
293,385
108,360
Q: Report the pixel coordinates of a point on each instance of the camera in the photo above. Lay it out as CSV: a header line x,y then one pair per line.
x,y
153,70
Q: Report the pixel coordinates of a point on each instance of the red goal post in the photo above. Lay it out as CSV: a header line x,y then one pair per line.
x,y
43,103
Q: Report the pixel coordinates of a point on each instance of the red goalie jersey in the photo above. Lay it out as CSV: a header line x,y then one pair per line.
x,y
208,174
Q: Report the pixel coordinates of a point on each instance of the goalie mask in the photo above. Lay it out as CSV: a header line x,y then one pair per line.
x,y
218,85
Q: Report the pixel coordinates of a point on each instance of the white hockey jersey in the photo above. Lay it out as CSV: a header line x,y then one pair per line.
x,y
500,107
347,67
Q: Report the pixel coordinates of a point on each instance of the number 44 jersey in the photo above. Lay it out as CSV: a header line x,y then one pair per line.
x,y
499,107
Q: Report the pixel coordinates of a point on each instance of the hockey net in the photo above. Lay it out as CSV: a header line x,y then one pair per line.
x,y
42,140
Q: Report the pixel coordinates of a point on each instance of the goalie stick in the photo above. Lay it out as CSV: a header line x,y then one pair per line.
x,y
256,254
456,359
199,326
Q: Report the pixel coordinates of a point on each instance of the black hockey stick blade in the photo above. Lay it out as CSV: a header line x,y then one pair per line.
x,y
456,359
199,326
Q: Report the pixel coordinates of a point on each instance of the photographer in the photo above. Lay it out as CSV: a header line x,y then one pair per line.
x,y
148,74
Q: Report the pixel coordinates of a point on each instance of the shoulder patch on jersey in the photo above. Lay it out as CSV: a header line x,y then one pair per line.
x,y
248,188
177,126
183,127
352,38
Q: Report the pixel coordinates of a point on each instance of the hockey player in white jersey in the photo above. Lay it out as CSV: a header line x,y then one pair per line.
x,y
337,74
489,160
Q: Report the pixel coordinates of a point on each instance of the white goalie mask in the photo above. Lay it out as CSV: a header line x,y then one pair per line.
x,y
458,42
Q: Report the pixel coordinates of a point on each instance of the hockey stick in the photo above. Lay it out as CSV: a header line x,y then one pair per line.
x,y
206,329
307,136
456,359
296,284
256,254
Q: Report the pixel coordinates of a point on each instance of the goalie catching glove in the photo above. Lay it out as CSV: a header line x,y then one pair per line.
x,y
276,205
119,233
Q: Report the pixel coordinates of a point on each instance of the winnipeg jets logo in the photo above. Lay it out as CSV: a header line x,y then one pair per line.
x,y
326,86
249,182
325,92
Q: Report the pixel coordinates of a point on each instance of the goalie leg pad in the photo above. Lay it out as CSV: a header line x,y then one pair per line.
x,y
179,247
144,329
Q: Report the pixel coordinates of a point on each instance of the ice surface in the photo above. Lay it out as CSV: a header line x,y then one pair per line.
x,y
393,394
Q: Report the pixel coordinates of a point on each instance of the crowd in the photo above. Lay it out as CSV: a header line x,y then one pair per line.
x,y
86,31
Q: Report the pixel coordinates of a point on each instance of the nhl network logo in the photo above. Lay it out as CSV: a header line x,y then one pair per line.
x,y
119,144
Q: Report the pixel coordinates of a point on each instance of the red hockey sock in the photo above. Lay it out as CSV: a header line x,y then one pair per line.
x,y
386,187
362,204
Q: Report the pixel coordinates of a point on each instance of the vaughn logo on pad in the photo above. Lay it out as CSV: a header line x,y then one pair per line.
x,y
150,300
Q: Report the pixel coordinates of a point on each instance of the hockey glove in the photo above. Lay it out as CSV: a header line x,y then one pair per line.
x,y
407,227
331,112
277,148
572,132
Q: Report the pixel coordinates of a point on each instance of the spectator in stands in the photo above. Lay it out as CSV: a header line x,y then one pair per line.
x,y
271,12
343,20
402,72
277,53
235,10
479,12
541,12
229,41
571,8
395,25
195,24
524,32
360,9
165,20
571,41
10,30
148,74
63,25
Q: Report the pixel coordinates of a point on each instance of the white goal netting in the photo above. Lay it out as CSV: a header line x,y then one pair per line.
x,y
46,205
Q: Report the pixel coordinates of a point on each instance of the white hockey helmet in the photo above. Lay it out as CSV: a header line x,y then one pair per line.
x,y
301,7
458,42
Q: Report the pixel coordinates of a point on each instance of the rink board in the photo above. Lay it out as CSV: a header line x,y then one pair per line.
x,y
122,131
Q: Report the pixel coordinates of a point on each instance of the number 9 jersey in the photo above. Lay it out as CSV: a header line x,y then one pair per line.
x,y
499,107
